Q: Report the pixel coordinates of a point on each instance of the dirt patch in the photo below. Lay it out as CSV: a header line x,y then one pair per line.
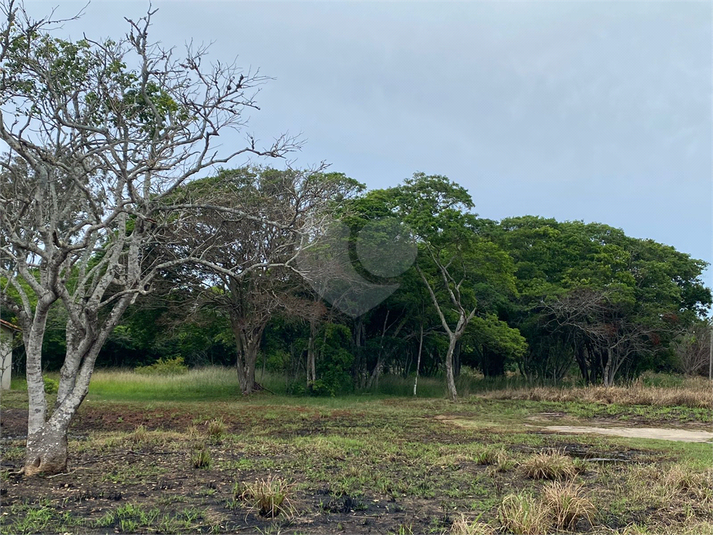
x,y
658,433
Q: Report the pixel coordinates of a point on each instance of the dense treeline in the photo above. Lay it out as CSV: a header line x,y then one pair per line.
x,y
527,294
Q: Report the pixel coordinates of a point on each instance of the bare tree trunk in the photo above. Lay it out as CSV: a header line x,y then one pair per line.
x,y
418,361
452,393
311,357
608,368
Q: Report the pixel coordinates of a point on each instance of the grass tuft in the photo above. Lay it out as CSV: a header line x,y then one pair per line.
x,y
567,504
216,430
550,465
200,457
269,497
521,514
140,435
492,456
463,526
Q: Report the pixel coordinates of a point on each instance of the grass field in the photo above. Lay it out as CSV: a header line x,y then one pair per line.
x,y
188,454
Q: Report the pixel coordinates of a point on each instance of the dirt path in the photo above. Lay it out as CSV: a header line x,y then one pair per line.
x,y
677,435
657,433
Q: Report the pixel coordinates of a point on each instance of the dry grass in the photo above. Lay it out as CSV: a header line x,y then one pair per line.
x,y
679,480
696,392
551,465
567,504
463,526
522,514
268,496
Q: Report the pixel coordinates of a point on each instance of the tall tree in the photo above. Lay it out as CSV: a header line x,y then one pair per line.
x,y
256,254
453,258
100,134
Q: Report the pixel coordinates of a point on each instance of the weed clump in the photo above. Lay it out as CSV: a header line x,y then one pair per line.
x,y
51,385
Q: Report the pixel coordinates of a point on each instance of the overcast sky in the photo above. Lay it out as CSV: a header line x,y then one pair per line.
x,y
599,111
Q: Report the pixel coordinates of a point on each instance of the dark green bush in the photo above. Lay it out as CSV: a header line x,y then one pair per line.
x,y
163,367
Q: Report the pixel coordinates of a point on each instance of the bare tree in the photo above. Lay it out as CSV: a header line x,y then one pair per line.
x,y
692,348
612,336
99,136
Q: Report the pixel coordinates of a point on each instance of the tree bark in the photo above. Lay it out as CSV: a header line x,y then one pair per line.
x,y
46,451
450,381
248,345
311,356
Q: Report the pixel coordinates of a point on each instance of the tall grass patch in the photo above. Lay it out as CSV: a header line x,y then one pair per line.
x,y
198,384
693,392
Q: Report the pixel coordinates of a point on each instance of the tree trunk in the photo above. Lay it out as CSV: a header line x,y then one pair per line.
x,y
311,357
452,393
607,368
581,358
418,361
248,348
46,451
376,372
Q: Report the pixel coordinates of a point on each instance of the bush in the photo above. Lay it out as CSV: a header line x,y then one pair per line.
x,y
174,366
51,386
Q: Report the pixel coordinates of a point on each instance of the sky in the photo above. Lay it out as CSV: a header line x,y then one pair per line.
x,y
594,111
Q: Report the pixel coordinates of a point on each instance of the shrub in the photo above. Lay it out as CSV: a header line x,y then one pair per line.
x,y
174,366
550,465
567,504
521,514
51,386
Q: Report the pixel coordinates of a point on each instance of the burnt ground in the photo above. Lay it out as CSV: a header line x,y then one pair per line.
x,y
380,467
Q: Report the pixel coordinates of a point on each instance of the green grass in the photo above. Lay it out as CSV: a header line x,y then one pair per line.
x,y
373,448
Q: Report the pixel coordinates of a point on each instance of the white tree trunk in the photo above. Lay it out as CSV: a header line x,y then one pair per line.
x,y
450,381
418,360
